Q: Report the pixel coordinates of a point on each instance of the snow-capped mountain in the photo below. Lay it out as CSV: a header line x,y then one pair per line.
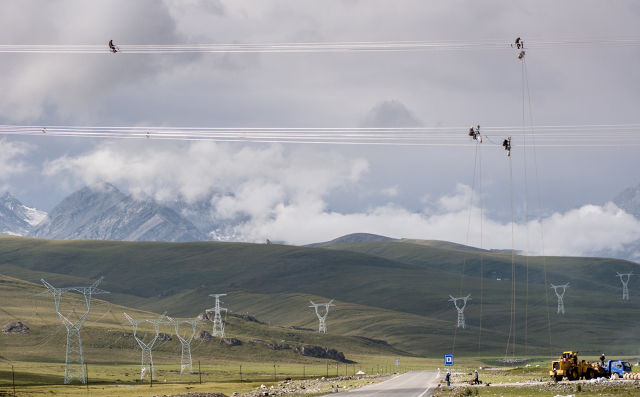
x,y
16,218
105,213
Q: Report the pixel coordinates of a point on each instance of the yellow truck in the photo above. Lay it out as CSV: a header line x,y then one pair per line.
x,y
568,365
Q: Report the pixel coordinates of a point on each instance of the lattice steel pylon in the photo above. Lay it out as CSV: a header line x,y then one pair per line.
x,y
185,358
624,279
218,323
74,362
460,309
322,326
147,358
560,296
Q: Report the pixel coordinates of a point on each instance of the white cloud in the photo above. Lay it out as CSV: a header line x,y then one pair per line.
x,y
11,158
268,192
249,180
458,201
391,191
588,230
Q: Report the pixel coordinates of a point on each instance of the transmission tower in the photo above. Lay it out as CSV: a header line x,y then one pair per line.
x,y
322,327
560,295
624,279
147,358
185,359
74,362
218,323
460,309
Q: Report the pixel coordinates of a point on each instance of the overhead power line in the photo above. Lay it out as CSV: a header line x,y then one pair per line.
x,y
597,135
345,46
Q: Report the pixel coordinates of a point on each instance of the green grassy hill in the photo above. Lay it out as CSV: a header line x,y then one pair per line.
x,y
396,291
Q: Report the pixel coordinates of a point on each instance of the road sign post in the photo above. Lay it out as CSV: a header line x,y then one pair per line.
x,y
448,360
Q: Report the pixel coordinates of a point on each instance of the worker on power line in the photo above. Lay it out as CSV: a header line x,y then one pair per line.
x,y
112,47
507,146
475,133
519,43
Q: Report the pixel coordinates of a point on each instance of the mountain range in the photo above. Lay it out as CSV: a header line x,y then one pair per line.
x,y
16,218
105,213
98,213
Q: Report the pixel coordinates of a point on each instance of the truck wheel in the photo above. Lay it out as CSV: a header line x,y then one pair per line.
x,y
615,375
589,374
558,378
573,375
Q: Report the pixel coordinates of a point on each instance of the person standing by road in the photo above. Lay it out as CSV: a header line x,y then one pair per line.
x,y
447,378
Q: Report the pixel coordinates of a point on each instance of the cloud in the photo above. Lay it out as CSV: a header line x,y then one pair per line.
x,y
65,86
269,192
391,191
390,114
239,180
588,230
11,158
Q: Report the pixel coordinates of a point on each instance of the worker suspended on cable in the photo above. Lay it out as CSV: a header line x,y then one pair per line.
x,y
112,47
519,43
507,146
475,133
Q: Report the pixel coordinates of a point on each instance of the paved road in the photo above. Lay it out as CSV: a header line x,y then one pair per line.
x,y
411,384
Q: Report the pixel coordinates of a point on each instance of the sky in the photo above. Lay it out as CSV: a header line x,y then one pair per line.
x,y
303,193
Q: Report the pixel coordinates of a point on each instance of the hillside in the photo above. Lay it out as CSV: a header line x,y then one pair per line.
x,y
107,338
396,291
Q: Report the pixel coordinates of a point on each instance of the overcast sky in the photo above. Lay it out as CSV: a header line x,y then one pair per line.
x,y
306,193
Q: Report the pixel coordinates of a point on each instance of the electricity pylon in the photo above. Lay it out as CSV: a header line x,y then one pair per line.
x,y
560,296
624,279
322,327
218,323
460,309
147,358
185,358
74,362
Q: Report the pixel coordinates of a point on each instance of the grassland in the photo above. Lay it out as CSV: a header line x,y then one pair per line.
x,y
395,291
392,291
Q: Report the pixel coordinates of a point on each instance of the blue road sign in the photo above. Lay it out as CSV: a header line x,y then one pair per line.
x,y
448,360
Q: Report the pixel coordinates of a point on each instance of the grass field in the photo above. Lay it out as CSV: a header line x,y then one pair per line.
x,y
391,302
395,291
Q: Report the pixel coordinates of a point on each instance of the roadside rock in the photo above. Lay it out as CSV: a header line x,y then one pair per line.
x,y
305,350
162,337
16,327
232,341
206,316
204,336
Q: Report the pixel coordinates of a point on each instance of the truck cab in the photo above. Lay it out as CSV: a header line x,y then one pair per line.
x,y
617,368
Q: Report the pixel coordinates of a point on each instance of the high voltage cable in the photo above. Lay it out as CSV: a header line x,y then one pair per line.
x,y
346,46
586,136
